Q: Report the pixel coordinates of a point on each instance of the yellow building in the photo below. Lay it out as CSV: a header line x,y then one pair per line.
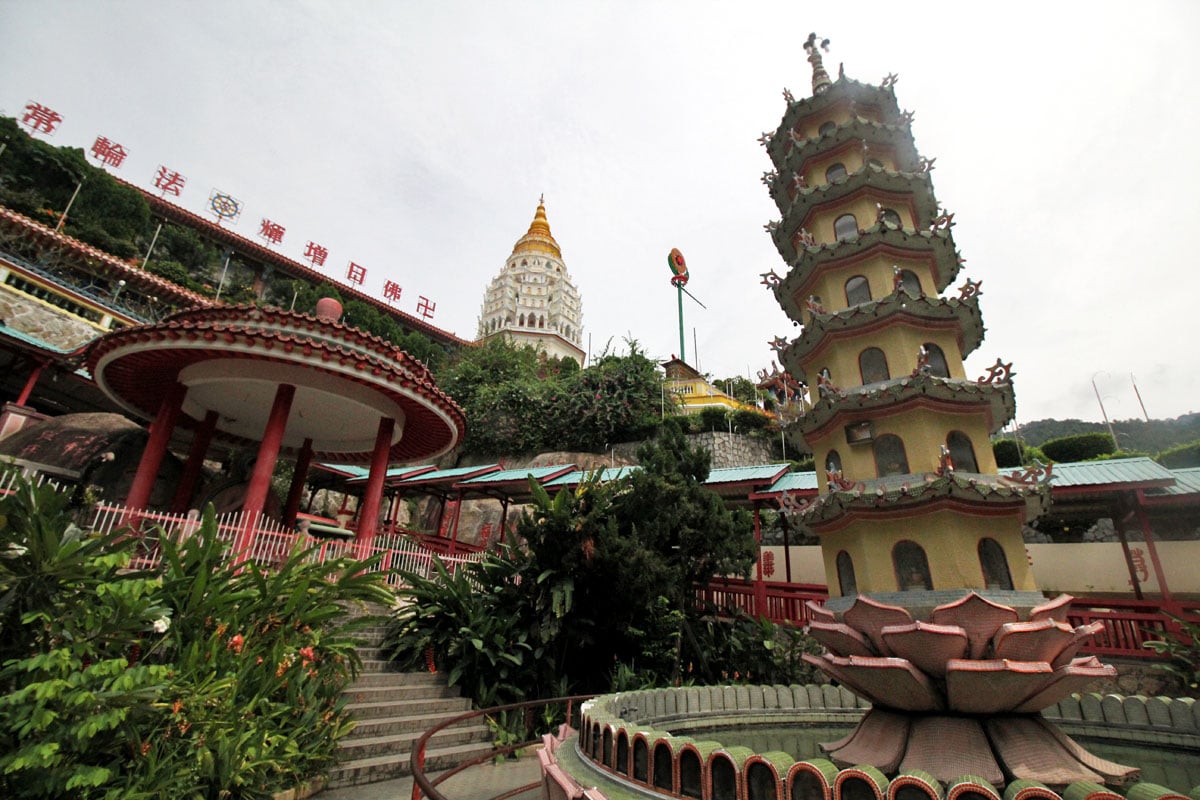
x,y
693,393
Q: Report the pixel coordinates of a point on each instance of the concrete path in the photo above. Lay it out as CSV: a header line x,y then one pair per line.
x,y
481,782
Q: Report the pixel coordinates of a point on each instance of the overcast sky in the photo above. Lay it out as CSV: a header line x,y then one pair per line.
x,y
414,138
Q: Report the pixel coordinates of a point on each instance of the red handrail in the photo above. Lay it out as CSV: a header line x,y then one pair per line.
x,y
421,783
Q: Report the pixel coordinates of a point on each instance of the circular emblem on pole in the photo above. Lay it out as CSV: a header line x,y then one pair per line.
x,y
678,267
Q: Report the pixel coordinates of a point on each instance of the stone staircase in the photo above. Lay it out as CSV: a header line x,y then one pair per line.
x,y
392,709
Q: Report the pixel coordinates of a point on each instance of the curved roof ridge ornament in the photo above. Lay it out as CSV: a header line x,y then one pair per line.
x,y
820,79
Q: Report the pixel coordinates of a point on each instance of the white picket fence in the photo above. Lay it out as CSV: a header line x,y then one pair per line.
x,y
270,543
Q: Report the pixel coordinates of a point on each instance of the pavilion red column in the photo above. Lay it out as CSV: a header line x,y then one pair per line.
x,y
191,471
264,466
1144,522
299,476
760,589
156,448
30,382
368,513
454,525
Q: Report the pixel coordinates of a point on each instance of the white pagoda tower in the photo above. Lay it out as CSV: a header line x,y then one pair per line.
x,y
533,300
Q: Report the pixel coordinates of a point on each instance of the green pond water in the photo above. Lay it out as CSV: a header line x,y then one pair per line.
x,y
1178,770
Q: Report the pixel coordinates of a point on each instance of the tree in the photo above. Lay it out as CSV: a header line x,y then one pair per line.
x,y
739,388
626,557
603,575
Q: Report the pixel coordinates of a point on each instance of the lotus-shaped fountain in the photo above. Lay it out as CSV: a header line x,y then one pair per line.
x,y
960,692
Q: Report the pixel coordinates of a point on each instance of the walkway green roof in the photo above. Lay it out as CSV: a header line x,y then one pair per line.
x,y
1112,474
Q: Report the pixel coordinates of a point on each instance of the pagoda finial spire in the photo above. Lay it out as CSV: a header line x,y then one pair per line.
x,y
820,78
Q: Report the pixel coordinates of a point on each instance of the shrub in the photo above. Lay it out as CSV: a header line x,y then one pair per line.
x,y
202,679
746,421
1080,447
1181,456
712,418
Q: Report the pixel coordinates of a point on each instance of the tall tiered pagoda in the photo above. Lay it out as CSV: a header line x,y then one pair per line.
x,y
934,614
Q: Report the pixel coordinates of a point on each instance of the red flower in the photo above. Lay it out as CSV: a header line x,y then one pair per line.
x,y
235,643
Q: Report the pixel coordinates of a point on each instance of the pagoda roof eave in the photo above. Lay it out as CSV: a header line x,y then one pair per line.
x,y
841,90
886,185
863,130
914,493
900,394
964,314
900,243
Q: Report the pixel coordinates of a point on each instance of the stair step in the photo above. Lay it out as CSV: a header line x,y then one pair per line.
x,y
408,679
445,706
353,748
383,768
387,726
401,692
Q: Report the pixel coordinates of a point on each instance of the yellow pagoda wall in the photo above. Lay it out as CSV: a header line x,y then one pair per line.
x,y
950,538
862,206
853,160
877,269
923,432
841,113
901,344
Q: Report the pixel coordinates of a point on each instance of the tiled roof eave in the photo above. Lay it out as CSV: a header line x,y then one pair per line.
x,y
855,401
898,304
840,90
914,185
939,244
897,493
109,264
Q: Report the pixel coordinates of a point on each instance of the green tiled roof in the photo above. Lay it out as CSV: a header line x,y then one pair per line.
x,y
1187,481
762,473
350,470
794,482
606,474
445,474
362,473
518,474
1115,470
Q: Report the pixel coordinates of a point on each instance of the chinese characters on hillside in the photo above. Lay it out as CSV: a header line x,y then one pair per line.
x,y
39,118
110,154
271,231
168,181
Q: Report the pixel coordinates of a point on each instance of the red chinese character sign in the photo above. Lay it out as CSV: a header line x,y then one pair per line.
x,y
224,206
110,154
168,181
40,119
271,231
316,254
356,273
426,308
391,291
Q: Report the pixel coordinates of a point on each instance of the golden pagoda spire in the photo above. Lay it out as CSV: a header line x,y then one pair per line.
x,y
820,79
538,238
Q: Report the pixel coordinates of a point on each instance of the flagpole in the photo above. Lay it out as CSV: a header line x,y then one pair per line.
x,y
679,294
63,219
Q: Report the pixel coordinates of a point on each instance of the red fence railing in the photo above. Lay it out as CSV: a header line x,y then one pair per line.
x,y
1128,624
